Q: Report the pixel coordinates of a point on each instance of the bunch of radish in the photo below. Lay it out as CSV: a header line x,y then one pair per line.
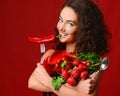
x,y
70,68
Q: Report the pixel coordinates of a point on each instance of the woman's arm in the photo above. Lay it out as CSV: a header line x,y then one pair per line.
x,y
65,89
85,87
41,81
34,81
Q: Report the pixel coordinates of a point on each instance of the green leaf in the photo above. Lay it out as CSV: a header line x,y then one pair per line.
x,y
91,57
63,64
57,82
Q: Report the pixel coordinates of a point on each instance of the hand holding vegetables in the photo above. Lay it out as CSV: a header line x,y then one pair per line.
x,y
70,68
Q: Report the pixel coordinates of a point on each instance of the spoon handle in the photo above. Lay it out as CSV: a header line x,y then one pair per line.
x,y
93,77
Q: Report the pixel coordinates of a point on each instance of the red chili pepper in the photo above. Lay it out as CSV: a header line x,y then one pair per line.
x,y
49,38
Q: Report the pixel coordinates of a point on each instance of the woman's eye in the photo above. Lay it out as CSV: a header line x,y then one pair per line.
x,y
60,20
71,24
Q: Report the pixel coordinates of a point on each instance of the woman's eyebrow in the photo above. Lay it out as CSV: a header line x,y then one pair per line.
x,y
71,21
60,17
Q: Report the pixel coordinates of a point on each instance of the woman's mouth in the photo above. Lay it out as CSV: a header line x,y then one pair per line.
x,y
63,34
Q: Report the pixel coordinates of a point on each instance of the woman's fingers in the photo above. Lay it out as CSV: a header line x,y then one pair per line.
x,y
86,85
92,75
39,73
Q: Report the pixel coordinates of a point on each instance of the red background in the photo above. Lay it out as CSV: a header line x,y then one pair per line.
x,y
18,57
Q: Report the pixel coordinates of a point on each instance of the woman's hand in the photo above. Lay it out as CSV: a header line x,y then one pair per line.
x,y
41,75
36,78
90,85
86,86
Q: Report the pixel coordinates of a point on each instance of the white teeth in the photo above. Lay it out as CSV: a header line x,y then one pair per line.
x,y
62,34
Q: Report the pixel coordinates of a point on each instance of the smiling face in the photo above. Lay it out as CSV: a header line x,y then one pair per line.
x,y
67,25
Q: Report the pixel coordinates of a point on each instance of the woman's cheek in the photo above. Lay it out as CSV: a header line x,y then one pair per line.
x,y
57,26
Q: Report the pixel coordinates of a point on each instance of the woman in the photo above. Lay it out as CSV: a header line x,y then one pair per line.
x,y
81,29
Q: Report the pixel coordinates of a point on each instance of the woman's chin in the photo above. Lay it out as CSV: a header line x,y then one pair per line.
x,y
62,41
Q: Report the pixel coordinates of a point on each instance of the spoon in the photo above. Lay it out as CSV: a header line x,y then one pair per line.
x,y
103,66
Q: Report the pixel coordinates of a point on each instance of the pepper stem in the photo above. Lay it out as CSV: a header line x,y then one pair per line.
x,y
58,36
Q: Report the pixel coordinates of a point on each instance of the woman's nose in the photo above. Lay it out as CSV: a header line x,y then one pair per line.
x,y
62,27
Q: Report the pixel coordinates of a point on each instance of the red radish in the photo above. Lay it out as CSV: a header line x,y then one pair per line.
x,y
75,73
83,74
82,67
85,62
65,74
88,64
71,81
75,62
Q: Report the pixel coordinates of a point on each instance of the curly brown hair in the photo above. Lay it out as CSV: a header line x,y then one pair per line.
x,y
92,35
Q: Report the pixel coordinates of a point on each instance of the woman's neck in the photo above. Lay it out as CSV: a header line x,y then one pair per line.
x,y
70,47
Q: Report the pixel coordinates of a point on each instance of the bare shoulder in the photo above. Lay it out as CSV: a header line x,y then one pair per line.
x,y
48,53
